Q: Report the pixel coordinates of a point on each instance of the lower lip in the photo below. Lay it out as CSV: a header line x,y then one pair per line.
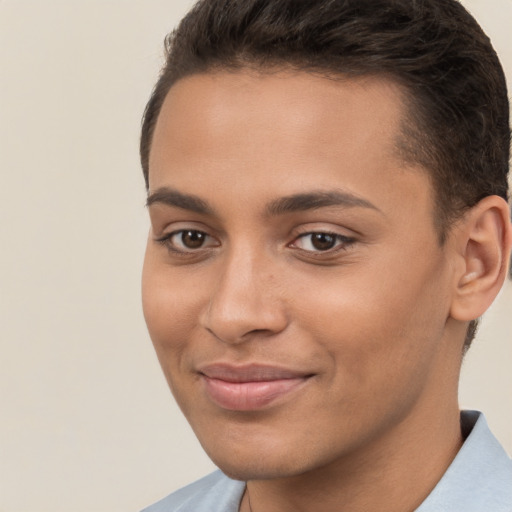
x,y
249,396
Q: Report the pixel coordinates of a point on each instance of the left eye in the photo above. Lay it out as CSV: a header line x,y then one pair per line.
x,y
190,240
321,242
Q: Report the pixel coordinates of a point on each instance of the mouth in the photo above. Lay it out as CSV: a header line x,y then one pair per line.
x,y
250,387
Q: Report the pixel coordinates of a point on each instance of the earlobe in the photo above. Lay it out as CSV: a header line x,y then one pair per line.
x,y
485,243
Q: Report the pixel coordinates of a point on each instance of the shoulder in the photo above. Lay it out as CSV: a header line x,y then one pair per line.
x,y
214,489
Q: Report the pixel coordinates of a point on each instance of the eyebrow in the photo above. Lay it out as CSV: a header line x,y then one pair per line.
x,y
288,204
317,199
171,197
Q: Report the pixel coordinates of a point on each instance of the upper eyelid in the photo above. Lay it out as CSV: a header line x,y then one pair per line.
x,y
183,225
323,232
312,228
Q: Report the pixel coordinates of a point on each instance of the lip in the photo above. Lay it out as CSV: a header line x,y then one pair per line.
x,y
250,387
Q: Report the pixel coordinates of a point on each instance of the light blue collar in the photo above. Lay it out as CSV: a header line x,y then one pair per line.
x,y
480,477
478,480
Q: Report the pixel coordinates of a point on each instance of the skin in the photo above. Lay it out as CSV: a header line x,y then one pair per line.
x,y
370,321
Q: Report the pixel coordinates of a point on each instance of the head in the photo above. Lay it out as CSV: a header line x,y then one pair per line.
x,y
313,168
457,121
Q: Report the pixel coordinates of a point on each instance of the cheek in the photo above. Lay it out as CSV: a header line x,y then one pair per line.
x,y
169,310
374,327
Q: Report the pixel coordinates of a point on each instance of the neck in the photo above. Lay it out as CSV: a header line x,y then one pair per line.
x,y
395,473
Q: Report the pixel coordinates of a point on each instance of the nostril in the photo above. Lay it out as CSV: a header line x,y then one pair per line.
x,y
234,337
242,305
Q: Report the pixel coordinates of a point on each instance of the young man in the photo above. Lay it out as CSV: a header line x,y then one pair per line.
x,y
327,187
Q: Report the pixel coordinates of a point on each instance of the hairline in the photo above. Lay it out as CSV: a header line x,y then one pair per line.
x,y
407,142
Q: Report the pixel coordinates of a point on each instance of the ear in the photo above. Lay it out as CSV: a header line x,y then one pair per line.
x,y
484,240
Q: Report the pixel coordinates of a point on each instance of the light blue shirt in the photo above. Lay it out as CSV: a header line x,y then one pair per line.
x,y
478,480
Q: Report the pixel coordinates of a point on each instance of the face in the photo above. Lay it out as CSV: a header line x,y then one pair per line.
x,y
293,286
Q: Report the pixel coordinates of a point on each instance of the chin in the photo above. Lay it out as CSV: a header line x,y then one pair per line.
x,y
263,459
257,469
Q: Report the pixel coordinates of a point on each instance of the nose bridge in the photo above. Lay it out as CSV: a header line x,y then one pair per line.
x,y
245,298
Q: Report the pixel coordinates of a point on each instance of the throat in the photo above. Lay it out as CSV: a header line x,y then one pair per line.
x,y
376,482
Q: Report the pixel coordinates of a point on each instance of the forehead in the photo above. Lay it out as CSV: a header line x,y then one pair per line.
x,y
266,135
285,106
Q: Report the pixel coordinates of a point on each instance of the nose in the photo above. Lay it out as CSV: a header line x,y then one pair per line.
x,y
245,301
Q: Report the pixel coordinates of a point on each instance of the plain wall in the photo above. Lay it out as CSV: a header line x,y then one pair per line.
x,y
87,422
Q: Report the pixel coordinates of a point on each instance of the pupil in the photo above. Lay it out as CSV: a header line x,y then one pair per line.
x,y
192,239
323,241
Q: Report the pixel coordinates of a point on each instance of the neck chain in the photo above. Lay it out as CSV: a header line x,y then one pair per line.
x,y
249,500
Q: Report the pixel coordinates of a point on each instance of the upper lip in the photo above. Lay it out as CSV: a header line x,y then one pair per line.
x,y
250,372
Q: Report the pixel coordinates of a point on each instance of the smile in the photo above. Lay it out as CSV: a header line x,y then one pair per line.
x,y
249,388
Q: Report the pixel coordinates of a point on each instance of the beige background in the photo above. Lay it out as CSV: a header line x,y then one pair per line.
x,y
87,423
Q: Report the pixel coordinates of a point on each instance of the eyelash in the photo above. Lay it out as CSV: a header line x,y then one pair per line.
x,y
166,240
341,242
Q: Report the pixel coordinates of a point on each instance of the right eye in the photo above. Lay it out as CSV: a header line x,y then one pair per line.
x,y
188,240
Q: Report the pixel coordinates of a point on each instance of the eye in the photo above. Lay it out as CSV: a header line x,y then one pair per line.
x,y
188,240
322,241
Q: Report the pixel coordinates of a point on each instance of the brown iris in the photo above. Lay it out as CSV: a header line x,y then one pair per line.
x,y
193,239
323,241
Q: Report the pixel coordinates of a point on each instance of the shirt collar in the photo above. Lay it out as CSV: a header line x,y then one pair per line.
x,y
478,479
480,476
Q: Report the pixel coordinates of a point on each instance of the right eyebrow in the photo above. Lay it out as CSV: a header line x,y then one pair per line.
x,y
317,199
171,197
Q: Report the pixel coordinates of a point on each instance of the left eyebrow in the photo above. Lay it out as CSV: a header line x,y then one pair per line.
x,y
317,199
171,197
